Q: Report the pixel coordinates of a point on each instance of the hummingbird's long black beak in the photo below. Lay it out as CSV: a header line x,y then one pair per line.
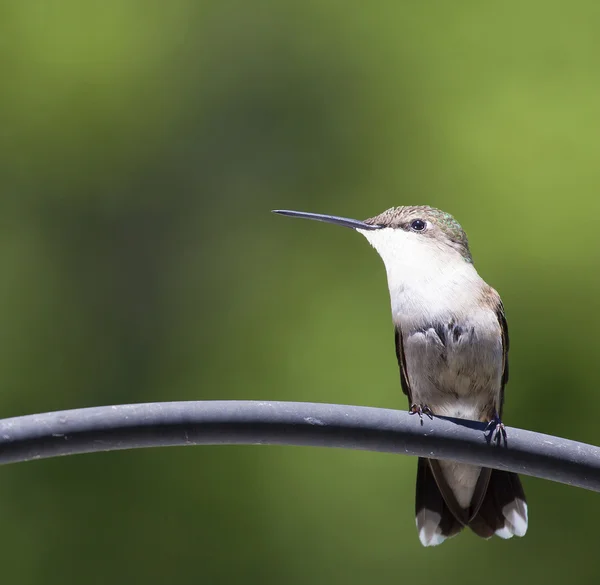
x,y
343,221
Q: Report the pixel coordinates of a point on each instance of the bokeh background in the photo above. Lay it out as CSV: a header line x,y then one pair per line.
x,y
143,145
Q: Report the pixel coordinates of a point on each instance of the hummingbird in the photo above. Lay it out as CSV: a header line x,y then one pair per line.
x,y
451,341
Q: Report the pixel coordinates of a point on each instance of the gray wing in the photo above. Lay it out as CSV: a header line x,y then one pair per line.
x,y
402,363
505,345
485,476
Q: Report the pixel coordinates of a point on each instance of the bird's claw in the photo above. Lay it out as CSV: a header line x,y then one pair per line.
x,y
497,430
421,409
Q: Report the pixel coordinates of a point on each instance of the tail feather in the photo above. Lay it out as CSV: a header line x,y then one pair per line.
x,y
503,508
435,521
503,511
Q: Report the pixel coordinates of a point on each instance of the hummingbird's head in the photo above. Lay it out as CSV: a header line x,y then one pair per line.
x,y
417,231
419,226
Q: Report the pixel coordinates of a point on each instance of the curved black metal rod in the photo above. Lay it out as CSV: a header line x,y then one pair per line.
x,y
221,422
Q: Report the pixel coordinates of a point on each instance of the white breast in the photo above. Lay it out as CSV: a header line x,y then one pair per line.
x,y
427,280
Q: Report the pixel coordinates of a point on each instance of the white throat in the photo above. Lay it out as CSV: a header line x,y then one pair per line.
x,y
427,279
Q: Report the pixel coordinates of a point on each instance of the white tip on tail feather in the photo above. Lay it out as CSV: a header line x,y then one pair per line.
x,y
516,516
428,527
504,532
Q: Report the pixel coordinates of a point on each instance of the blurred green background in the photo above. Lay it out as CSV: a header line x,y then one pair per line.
x,y
142,146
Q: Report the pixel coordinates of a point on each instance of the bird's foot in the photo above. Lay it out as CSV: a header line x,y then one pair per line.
x,y
497,430
421,409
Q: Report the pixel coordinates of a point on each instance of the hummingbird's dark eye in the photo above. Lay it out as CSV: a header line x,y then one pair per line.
x,y
418,225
